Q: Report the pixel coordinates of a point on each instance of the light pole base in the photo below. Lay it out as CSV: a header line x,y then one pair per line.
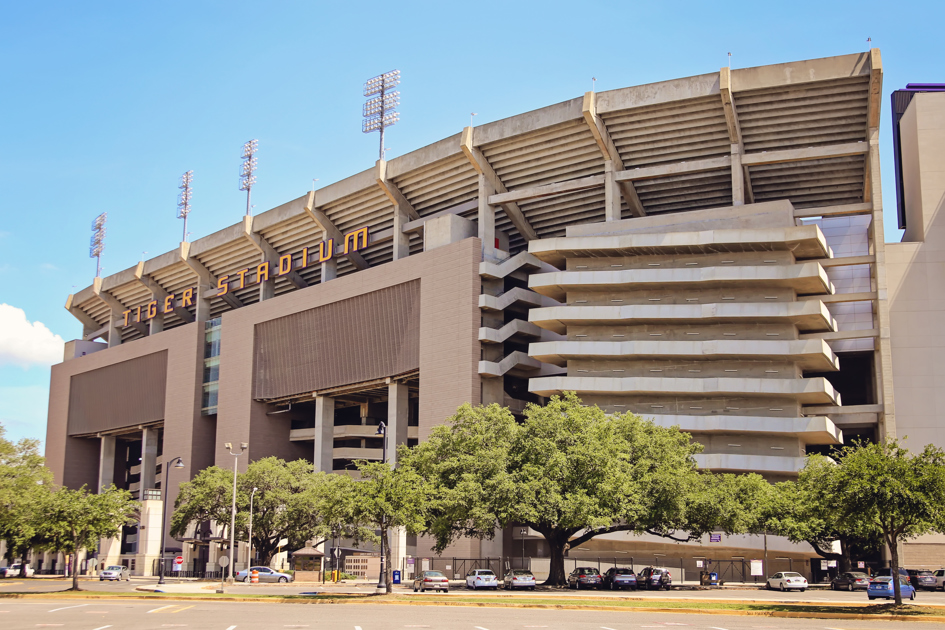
x,y
380,590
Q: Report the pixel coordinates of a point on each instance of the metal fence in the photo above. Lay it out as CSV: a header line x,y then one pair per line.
x,y
190,570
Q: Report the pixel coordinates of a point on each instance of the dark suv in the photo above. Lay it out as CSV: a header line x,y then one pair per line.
x,y
584,576
922,579
654,578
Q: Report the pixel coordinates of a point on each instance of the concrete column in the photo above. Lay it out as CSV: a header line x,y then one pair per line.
x,y
324,433
398,548
738,177
156,323
486,220
611,192
202,300
149,444
329,270
397,411
267,290
106,462
115,321
401,241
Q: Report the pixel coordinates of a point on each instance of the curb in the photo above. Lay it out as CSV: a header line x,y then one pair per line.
x,y
373,601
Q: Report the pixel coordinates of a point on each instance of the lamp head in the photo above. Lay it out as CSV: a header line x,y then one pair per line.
x,y
179,464
244,446
381,428
228,446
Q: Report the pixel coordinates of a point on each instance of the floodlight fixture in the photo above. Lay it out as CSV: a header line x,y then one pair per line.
x,y
183,199
97,242
248,171
380,112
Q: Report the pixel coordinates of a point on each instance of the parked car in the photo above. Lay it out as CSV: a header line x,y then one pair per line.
x,y
114,572
584,576
481,578
939,579
786,580
265,575
13,571
655,578
519,579
849,581
431,581
920,578
882,586
616,577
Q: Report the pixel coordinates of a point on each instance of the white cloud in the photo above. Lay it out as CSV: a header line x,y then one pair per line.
x,y
26,343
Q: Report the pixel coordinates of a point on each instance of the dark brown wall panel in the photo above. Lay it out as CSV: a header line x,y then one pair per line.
x,y
370,336
119,395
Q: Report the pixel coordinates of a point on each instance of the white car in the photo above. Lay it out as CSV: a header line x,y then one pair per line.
x,y
114,572
481,578
787,580
13,571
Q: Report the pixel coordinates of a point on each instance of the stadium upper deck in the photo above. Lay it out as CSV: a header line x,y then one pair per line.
x,y
795,131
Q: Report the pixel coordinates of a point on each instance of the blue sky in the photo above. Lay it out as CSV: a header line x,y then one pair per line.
x,y
105,104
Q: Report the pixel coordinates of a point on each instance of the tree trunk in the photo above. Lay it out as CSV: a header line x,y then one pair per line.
x,y
75,573
556,575
846,561
387,567
894,566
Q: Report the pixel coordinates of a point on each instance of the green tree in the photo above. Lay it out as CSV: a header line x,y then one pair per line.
x,y
883,488
291,502
572,473
73,520
806,511
386,498
24,485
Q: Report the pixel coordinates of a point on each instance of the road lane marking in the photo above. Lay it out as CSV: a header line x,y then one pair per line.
x,y
161,608
67,607
102,627
605,628
234,628
183,608
717,628
480,628
355,628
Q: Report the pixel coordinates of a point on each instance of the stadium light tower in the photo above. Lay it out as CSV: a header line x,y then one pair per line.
x,y
97,244
248,171
183,199
381,111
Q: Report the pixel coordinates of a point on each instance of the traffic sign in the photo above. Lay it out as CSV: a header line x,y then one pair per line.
x,y
224,561
179,560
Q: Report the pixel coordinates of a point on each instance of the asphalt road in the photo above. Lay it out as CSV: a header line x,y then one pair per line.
x,y
145,615
815,596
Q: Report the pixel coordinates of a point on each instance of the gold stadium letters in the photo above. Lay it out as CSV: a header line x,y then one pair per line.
x,y
325,251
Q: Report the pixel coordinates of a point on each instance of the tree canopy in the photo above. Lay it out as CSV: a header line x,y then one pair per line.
x,y
879,489
571,472
78,519
25,482
291,502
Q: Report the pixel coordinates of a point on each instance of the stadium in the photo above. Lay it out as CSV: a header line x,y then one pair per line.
x,y
707,252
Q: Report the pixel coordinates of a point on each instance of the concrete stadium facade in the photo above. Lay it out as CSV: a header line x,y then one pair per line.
x,y
707,252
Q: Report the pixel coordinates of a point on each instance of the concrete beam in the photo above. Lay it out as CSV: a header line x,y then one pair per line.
x,y
88,322
158,293
876,89
846,261
834,211
841,334
322,221
207,282
393,193
558,188
809,153
728,104
676,168
865,296
741,179
268,252
482,166
609,150
117,309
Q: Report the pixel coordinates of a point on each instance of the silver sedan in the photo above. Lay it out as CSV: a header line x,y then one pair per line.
x,y
265,575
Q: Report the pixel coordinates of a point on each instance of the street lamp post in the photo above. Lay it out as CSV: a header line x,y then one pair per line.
x,y
251,496
229,447
178,463
524,533
382,579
